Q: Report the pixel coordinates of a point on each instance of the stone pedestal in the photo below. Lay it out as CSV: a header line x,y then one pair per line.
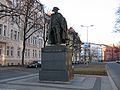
x,y
56,64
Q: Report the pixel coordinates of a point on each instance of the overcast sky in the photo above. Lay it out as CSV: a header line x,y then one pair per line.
x,y
100,13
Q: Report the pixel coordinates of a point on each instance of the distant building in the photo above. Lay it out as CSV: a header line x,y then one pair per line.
x,y
96,52
102,52
111,53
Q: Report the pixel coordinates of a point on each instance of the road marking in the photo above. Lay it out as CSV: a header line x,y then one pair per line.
x,y
7,89
17,78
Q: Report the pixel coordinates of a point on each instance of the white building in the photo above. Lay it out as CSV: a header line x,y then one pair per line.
x,y
11,42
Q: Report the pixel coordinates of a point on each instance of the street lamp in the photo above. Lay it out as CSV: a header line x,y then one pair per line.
x,y
87,49
87,30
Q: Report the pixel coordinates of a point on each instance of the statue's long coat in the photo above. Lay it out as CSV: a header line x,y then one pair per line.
x,y
57,33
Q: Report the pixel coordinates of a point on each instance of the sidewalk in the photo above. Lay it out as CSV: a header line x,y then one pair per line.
x,y
80,82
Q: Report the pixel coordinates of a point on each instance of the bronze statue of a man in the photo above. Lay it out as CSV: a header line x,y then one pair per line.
x,y
57,32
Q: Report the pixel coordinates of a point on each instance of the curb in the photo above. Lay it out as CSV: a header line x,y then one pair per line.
x,y
111,80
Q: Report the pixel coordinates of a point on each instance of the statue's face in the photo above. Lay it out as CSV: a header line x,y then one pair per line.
x,y
53,12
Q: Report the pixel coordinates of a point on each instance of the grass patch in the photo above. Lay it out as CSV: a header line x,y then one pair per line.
x,y
91,69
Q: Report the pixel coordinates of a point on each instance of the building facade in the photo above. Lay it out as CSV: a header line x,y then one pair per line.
x,y
11,42
74,44
111,53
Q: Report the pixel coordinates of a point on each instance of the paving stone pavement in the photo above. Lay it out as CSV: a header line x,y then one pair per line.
x,y
80,82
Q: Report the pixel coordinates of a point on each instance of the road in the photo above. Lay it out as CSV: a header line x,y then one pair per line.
x,y
11,72
114,71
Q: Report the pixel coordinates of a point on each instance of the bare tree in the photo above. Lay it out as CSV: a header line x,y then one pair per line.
x,y
117,25
7,11
74,42
28,15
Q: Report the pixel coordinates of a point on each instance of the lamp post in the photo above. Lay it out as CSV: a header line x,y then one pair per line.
x,y
87,30
87,49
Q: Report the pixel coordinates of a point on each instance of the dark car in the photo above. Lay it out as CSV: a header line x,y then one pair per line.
x,y
34,64
118,62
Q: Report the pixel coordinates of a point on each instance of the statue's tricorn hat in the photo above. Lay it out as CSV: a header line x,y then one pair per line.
x,y
55,9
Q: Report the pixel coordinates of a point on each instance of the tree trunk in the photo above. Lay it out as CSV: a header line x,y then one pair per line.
x,y
23,51
24,36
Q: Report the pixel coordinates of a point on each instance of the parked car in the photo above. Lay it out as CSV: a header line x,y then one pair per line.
x,y
118,62
34,64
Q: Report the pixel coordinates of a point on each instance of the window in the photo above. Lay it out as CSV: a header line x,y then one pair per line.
x,y
40,41
5,29
15,35
33,53
35,40
39,54
11,34
8,51
1,29
18,52
31,39
36,53
18,36
29,53
12,49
